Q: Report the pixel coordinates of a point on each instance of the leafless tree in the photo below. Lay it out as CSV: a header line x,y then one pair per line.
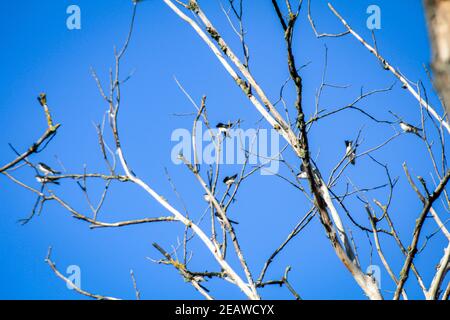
x,y
220,237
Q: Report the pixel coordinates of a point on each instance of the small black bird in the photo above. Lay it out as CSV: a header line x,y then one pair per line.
x,y
45,180
42,98
349,151
207,198
223,128
230,180
409,128
302,174
221,221
45,169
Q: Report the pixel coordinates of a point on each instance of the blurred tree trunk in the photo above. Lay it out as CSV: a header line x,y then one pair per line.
x,y
438,17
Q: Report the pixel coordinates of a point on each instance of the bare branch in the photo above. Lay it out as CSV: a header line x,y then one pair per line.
x,y
394,71
70,283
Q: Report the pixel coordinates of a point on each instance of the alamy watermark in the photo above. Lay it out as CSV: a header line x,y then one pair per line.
x,y
375,272
261,146
73,21
374,20
74,276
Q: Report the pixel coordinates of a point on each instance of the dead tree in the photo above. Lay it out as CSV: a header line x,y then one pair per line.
x,y
219,235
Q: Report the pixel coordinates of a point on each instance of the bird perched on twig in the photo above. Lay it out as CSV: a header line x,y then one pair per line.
x,y
42,98
45,179
207,198
45,169
350,152
221,221
302,174
229,180
409,128
224,128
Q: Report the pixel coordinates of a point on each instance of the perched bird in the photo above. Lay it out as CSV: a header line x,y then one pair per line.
x,y
221,221
224,128
350,152
45,169
207,198
42,98
45,180
409,128
230,180
302,174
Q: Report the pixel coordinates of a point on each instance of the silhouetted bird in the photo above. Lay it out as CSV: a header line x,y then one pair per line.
x,y
42,98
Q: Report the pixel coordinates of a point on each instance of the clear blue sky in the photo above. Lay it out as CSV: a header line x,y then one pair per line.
x,y
40,54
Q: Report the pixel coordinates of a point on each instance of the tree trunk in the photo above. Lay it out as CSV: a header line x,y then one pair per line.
x,y
438,17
